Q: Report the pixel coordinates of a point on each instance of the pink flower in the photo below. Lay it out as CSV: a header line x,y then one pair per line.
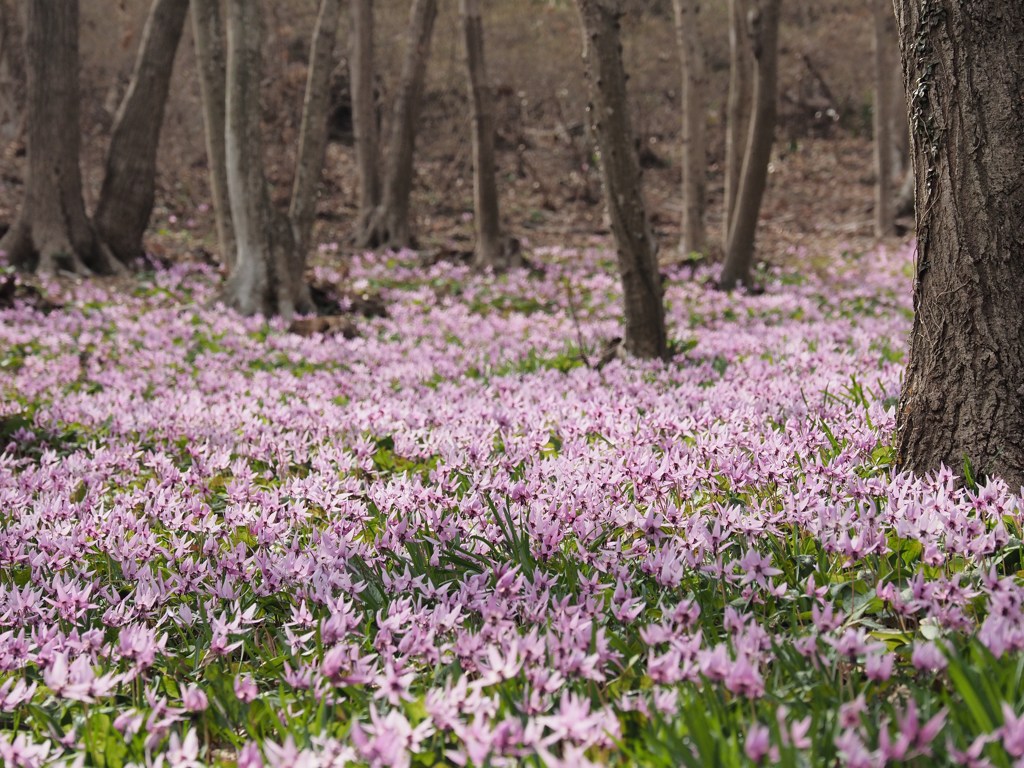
x,y
927,657
757,743
1011,732
72,682
245,688
14,693
22,752
194,700
288,755
851,712
878,666
249,756
184,754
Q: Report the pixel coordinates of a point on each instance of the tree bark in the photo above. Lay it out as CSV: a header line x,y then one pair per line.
x,y
741,65
694,76
492,250
208,34
52,231
389,227
313,131
739,253
885,34
620,172
963,392
126,197
364,109
268,274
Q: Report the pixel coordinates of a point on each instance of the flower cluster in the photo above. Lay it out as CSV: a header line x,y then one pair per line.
x,y
452,539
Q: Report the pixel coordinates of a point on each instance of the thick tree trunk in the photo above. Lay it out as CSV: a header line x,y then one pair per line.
x,y
52,230
126,197
313,131
267,278
741,70
388,227
963,392
694,70
739,253
492,250
885,35
364,109
620,172
208,34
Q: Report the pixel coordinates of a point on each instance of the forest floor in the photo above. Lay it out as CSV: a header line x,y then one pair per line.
x,y
450,537
819,200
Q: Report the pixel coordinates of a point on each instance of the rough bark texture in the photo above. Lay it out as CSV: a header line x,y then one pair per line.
x,y
313,131
126,197
388,227
267,278
885,37
741,66
492,250
694,71
620,173
963,393
739,253
364,108
52,230
208,34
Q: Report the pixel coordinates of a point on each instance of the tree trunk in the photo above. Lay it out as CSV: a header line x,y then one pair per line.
x,y
885,34
492,250
13,55
364,109
52,230
904,203
963,397
127,194
313,131
267,278
741,65
388,227
208,34
620,172
739,254
694,70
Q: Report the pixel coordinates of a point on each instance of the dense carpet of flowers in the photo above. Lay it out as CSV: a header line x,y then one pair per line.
x,y
451,541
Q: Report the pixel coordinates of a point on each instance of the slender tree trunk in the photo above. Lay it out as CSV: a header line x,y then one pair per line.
x,y
885,35
492,250
741,66
364,109
313,131
12,52
52,230
901,122
267,278
620,172
208,34
904,203
127,194
389,225
963,396
694,70
739,254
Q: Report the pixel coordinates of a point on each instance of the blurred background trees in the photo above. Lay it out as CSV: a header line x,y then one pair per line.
x,y
820,175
